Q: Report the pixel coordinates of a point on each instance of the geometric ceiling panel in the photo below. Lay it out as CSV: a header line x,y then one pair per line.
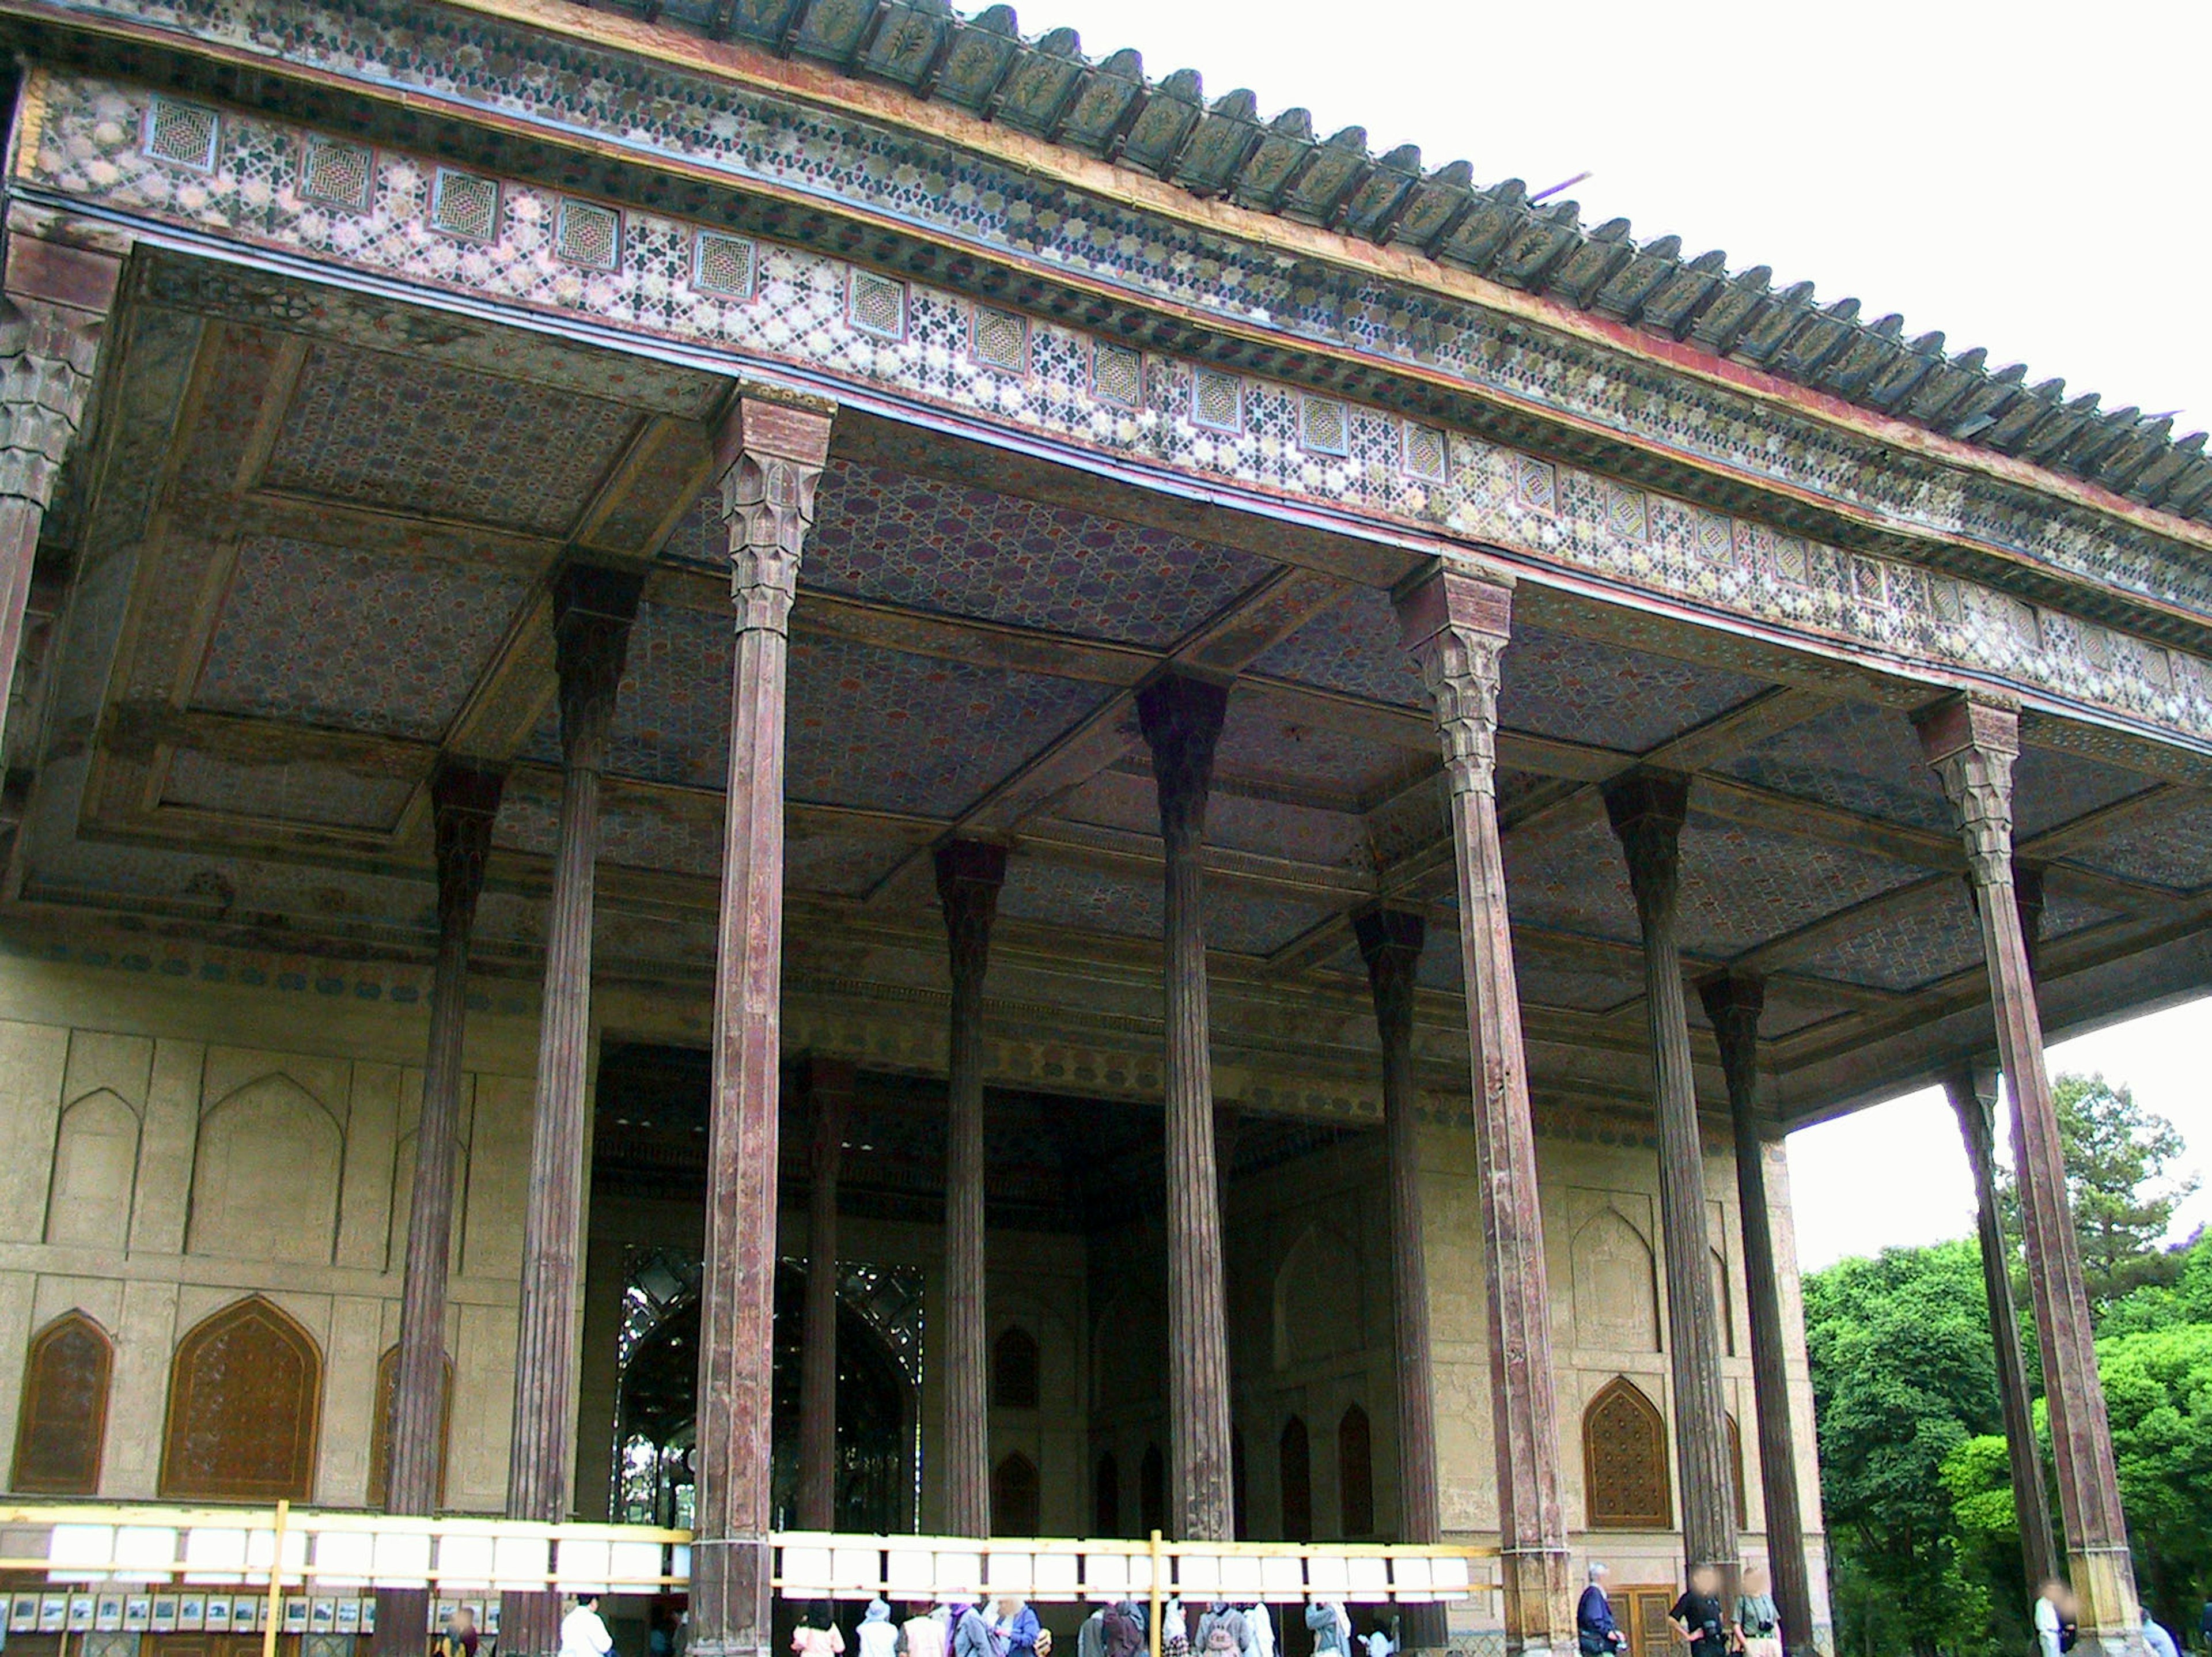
x,y
886,730
1128,800
325,636
1268,738
1352,647
839,862
286,792
2065,915
967,552
1237,919
1917,941
2168,845
1550,981
382,430
2049,788
1579,690
1567,873
1789,1008
1852,757
1742,886
633,832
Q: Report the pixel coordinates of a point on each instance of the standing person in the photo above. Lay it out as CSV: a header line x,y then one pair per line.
x,y
459,1638
1019,1626
1260,1626
1698,1617
1124,1629
1596,1632
876,1637
817,1634
1329,1625
973,1634
1379,1644
1091,1638
1758,1624
2159,1641
1219,1615
582,1633
2050,1619
924,1635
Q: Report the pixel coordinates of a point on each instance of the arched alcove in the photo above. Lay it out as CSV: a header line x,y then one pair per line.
x,y
1014,1370
246,1392
379,1438
1355,1473
1317,1298
95,1168
1625,1481
1724,1299
265,1181
1106,1497
1616,1298
1014,1497
1294,1470
63,1424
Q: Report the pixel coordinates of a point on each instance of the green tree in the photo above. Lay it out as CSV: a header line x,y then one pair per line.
x,y
2158,1390
2124,1202
1902,1376
2183,1295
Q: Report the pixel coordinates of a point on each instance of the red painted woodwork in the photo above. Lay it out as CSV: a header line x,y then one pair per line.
x,y
62,1426
246,1393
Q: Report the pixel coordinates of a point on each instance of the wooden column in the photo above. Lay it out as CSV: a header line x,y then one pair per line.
x,y
1455,624
1974,1094
969,875
1733,1003
1182,720
1390,942
464,800
592,612
828,1092
769,458
51,328
1972,744
1647,809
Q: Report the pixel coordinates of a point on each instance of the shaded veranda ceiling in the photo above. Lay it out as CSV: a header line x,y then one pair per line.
x,y
316,549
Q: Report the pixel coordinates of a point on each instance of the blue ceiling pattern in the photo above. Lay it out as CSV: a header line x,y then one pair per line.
x,y
400,434
1741,885
323,796
1128,800
1921,940
2049,788
1853,757
359,641
2165,843
1352,646
1238,919
1567,873
962,550
1267,737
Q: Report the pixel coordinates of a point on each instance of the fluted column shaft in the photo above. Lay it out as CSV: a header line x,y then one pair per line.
x,y
1647,810
1456,625
769,458
51,330
1973,1095
593,609
464,801
1182,721
828,1090
1390,942
1734,1003
969,875
1972,746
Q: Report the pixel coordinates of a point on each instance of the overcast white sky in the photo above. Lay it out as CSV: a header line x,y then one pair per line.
x,y
2024,177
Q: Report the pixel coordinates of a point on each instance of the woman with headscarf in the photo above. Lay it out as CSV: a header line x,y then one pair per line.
x,y
817,1634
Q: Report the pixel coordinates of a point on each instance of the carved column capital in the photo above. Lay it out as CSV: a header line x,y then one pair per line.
x,y
1969,743
1180,718
1733,1002
1455,626
969,875
51,324
1390,942
464,805
593,609
770,456
1647,809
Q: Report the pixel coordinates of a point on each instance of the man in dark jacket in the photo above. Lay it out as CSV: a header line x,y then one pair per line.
x,y
1596,1632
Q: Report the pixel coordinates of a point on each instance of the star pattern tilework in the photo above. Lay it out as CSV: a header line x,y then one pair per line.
x,y
1931,936
1351,646
292,792
376,429
1742,886
1567,873
1854,757
1582,689
329,636
841,864
1128,800
1132,906
888,731
1268,738
2169,847
2049,788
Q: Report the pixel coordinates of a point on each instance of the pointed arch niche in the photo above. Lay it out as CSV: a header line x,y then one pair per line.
x,y
1624,1480
380,1441
246,1393
63,1425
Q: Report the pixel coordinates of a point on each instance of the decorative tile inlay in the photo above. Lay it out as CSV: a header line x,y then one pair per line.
x,y
1587,691
465,204
336,173
402,434
723,265
1324,426
876,305
182,134
1426,456
1860,758
1237,920
1352,646
2165,845
1494,496
1904,945
356,640
589,234
1568,874
2050,787
1128,800
289,792
1742,886
1002,340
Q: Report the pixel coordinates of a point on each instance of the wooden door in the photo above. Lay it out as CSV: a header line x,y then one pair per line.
x,y
1643,1612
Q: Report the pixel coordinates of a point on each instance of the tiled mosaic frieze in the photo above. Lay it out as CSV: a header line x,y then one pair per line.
x,y
658,111
682,281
